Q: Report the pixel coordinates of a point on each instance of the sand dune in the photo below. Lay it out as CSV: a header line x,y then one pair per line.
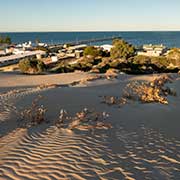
x,y
62,154
143,143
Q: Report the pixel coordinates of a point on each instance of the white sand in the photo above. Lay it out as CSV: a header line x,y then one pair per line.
x,y
143,144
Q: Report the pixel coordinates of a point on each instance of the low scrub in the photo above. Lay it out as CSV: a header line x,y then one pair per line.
x,y
149,92
144,92
92,51
161,62
32,66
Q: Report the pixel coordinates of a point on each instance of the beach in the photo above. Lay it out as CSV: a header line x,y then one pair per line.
x,y
141,143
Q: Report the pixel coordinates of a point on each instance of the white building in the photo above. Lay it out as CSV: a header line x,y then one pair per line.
x,y
25,45
78,47
42,44
152,50
54,58
18,51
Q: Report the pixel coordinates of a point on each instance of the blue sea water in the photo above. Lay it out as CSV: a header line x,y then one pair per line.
x,y
168,38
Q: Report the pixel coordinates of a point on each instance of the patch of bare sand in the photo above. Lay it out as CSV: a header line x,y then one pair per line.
x,y
20,80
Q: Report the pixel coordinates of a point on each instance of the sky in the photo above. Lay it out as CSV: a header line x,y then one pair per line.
x,y
89,15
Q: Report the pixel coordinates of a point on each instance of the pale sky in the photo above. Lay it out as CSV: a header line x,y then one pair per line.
x,y
89,15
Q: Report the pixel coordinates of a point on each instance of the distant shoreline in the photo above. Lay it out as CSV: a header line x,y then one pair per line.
x,y
168,38
89,31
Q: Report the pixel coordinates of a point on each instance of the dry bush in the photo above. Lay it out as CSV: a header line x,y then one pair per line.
x,y
33,115
149,92
146,92
113,100
111,73
83,120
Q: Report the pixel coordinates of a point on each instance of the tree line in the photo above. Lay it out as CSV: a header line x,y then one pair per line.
x,y
5,40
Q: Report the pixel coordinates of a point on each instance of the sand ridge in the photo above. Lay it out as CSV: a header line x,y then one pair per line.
x,y
62,154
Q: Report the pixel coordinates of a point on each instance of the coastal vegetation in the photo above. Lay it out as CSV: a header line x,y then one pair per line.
x,y
32,66
5,40
121,58
122,49
133,65
92,51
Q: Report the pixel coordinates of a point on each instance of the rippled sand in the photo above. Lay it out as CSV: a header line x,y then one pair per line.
x,y
58,154
143,144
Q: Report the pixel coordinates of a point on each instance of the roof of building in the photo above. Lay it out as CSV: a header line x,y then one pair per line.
x,y
151,46
78,47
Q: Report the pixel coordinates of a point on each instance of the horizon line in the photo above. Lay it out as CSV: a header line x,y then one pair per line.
x,y
173,30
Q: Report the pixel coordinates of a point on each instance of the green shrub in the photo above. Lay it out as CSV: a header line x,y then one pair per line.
x,y
5,40
103,68
32,66
160,61
122,49
91,51
62,68
140,59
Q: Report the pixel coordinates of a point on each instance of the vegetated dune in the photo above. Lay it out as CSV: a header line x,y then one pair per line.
x,y
143,142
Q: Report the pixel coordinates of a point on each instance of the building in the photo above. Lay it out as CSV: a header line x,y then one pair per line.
x,y
18,51
78,53
78,47
54,59
15,58
152,50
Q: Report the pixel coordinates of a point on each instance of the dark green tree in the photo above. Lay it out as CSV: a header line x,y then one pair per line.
x,y
122,49
5,40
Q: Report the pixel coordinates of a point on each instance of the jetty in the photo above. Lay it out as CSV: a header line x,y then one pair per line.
x,y
85,41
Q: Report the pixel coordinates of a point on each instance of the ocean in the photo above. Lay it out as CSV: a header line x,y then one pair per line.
x,y
168,38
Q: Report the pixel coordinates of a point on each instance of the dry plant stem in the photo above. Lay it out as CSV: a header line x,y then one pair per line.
x,y
35,114
84,119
